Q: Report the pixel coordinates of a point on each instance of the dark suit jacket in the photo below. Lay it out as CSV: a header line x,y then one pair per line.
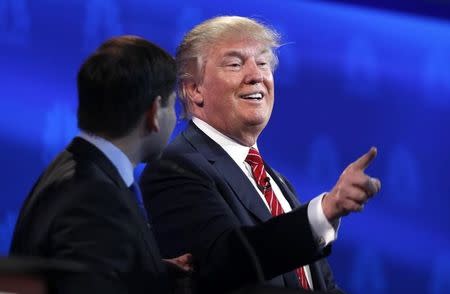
x,y
198,194
81,210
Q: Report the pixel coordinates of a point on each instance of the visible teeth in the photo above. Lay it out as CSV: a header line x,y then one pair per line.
x,y
253,96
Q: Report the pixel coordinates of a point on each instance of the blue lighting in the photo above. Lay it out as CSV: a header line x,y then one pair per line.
x,y
349,78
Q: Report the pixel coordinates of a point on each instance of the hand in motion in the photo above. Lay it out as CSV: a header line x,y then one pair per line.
x,y
353,189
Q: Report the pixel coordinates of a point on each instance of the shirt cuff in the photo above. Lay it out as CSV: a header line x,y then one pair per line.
x,y
323,231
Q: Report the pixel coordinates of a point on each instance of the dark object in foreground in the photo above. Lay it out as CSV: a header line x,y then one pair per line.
x,y
31,275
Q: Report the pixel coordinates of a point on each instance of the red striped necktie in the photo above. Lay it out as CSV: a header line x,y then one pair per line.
x,y
255,161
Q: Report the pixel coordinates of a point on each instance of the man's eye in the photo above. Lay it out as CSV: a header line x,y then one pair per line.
x,y
234,65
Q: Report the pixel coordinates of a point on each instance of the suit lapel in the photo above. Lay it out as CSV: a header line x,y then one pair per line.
x,y
143,225
288,193
243,188
316,272
86,151
230,171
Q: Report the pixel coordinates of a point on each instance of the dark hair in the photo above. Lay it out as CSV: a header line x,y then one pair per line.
x,y
118,83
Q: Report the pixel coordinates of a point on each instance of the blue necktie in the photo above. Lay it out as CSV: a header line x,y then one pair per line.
x,y
138,194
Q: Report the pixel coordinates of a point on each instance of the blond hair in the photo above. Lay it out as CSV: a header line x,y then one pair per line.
x,y
191,53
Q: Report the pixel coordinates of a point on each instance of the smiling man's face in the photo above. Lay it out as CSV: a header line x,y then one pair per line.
x,y
237,88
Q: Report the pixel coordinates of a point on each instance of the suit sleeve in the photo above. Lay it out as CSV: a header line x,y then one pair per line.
x,y
189,214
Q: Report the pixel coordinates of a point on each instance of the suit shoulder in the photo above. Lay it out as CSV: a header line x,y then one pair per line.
x,y
188,165
68,170
180,157
77,193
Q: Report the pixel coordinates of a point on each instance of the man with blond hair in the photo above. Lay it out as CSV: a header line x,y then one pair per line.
x,y
212,188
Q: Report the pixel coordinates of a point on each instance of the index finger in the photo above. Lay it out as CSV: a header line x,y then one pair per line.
x,y
364,161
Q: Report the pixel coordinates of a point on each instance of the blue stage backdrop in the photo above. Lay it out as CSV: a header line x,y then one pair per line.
x,y
349,77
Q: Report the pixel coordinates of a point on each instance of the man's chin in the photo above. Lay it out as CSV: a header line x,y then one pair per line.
x,y
257,123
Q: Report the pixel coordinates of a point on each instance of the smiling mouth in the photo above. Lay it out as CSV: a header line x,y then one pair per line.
x,y
253,96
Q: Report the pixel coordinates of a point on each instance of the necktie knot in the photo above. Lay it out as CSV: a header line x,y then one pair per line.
x,y
253,158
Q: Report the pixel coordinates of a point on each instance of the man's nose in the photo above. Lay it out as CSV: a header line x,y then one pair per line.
x,y
253,74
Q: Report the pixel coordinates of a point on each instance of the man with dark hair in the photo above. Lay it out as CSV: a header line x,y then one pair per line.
x,y
86,206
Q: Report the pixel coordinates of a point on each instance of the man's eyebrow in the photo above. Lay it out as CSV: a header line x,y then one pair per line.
x,y
234,53
242,55
264,51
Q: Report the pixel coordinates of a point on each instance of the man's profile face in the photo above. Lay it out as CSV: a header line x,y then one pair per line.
x,y
167,119
156,142
237,86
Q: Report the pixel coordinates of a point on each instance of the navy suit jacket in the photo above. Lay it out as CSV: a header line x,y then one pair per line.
x,y
200,201
80,209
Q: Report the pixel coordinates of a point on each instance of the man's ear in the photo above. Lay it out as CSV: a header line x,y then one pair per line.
x,y
192,91
151,116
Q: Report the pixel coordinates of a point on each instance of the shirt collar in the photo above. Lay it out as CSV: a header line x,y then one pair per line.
x,y
236,151
114,154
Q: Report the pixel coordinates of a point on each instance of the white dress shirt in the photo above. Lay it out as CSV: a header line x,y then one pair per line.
x,y
114,154
323,231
